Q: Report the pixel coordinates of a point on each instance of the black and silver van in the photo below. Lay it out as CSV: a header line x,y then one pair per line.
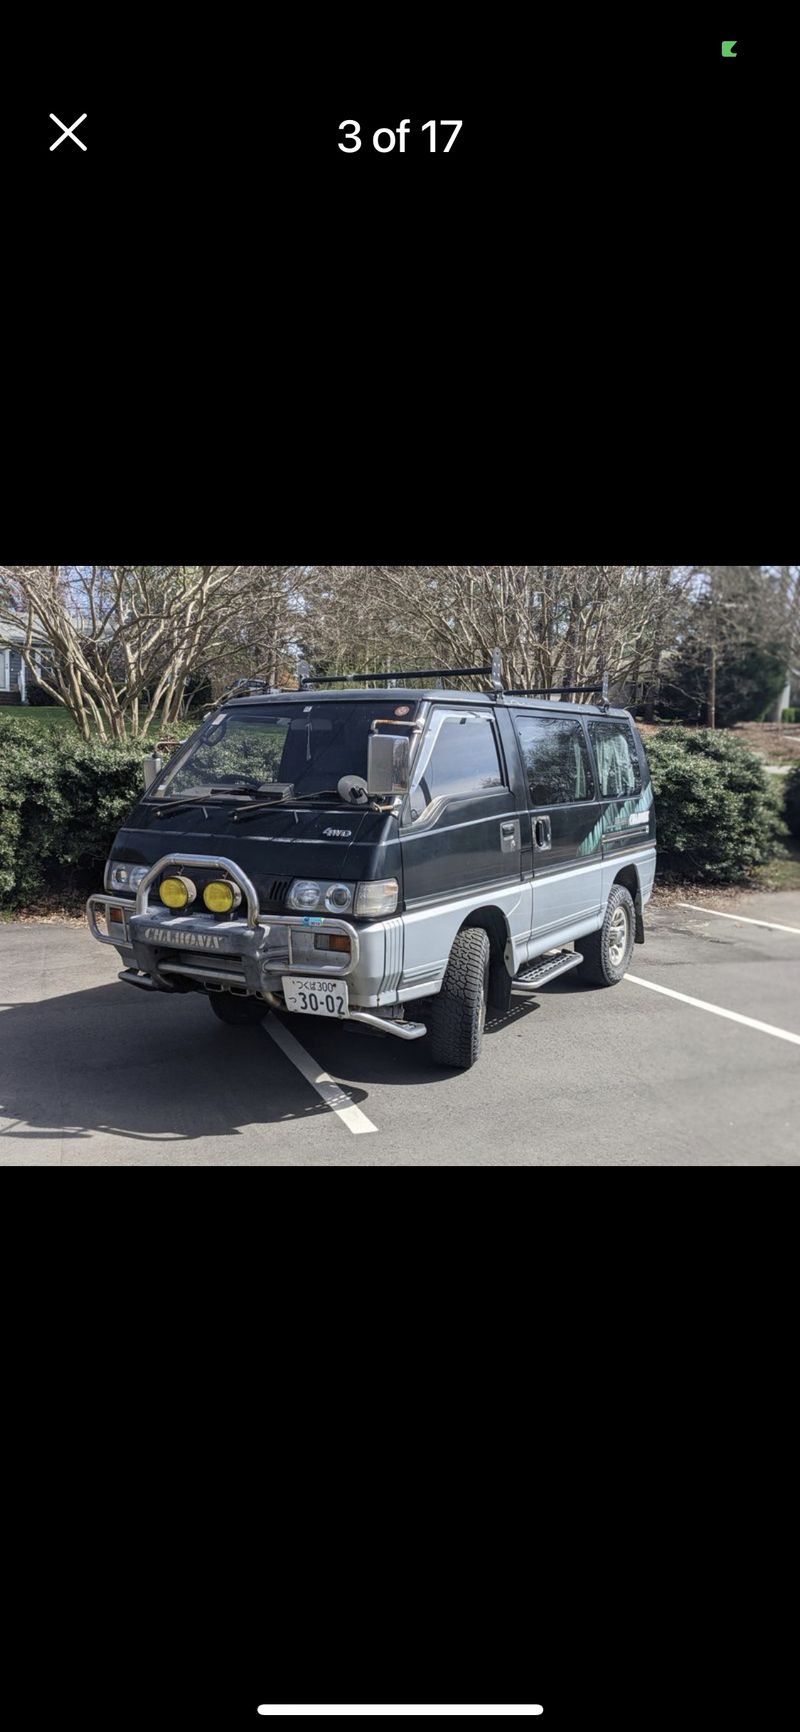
x,y
403,857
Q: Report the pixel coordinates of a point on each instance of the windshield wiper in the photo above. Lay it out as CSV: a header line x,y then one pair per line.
x,y
292,800
171,807
181,802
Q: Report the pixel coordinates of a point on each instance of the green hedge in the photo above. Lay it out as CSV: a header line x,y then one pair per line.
x,y
792,800
61,802
718,816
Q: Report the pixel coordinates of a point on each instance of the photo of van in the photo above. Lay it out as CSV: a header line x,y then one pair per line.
x,y
402,856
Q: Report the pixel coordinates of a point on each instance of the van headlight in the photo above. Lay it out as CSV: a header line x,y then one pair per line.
x,y
338,898
307,894
374,900
304,893
122,877
367,901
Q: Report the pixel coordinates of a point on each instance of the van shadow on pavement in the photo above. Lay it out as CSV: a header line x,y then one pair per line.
x,y
162,1071
111,1061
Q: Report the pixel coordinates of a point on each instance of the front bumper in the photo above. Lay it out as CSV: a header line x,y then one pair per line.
x,y
248,954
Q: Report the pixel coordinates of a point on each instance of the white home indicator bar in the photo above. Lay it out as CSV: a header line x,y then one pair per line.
x,y
406,1709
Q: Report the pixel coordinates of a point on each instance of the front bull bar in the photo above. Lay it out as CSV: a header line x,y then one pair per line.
x,y
402,1030
205,863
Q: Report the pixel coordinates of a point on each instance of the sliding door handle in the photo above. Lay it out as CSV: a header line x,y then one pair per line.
x,y
543,834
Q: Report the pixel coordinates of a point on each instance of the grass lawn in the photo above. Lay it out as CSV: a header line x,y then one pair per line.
x,y
782,873
37,715
54,716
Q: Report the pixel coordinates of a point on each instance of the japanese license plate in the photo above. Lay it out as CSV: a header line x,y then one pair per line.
x,y
315,997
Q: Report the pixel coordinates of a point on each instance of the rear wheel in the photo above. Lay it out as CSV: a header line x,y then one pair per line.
x,y
607,954
238,1011
458,1015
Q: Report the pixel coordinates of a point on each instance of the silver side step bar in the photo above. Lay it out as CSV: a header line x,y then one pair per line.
x,y
382,1024
545,969
387,1025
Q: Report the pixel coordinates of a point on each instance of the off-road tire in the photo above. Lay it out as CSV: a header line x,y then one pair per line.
x,y
458,1015
602,963
241,1012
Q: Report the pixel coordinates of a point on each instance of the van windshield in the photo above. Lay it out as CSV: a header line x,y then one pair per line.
x,y
309,745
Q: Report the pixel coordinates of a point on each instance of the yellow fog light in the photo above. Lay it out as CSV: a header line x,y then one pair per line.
x,y
177,892
220,898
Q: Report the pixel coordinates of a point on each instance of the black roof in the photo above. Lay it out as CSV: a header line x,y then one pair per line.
x,y
419,695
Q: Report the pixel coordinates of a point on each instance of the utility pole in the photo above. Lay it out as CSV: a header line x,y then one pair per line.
x,y
712,683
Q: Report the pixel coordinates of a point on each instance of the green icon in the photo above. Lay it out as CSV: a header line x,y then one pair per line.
x,y
727,50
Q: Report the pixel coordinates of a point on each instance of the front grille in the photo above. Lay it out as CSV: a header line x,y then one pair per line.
x,y
277,894
195,960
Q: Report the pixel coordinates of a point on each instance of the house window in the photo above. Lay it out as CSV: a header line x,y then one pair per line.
x,y
5,656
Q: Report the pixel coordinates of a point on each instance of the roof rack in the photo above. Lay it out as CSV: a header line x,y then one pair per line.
x,y
494,673
242,689
566,691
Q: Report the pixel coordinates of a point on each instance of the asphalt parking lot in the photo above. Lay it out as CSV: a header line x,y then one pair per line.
x,y
95,1073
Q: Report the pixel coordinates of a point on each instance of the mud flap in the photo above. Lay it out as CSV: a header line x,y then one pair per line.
x,y
499,986
639,918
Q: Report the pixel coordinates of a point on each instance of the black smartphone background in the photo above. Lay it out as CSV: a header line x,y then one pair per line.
x,y
183,124
213,1549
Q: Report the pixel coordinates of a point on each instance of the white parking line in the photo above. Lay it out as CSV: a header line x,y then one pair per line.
x,y
438,1709
771,925
714,1010
328,1090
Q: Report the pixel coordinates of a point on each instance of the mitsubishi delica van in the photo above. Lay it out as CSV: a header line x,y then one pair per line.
x,y
402,857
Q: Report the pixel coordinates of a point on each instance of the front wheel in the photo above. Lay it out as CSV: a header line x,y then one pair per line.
x,y
241,1012
607,954
458,1016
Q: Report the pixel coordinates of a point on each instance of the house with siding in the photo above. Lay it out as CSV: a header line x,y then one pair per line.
x,y
16,683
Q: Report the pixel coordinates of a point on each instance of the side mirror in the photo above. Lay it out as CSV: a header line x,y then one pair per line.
x,y
388,764
152,769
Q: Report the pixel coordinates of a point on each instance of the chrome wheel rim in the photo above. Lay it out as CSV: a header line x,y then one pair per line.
x,y
618,935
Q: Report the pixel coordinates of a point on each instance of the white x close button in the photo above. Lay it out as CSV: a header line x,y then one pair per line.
x,y
68,132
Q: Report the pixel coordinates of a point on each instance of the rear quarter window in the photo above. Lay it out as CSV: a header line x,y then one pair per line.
x,y
618,767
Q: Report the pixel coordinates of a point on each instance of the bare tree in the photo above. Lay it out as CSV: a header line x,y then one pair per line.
x,y
556,625
785,581
258,631
736,609
124,640
127,641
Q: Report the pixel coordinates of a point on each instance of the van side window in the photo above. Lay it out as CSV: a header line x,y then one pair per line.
x,y
556,760
617,760
463,761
